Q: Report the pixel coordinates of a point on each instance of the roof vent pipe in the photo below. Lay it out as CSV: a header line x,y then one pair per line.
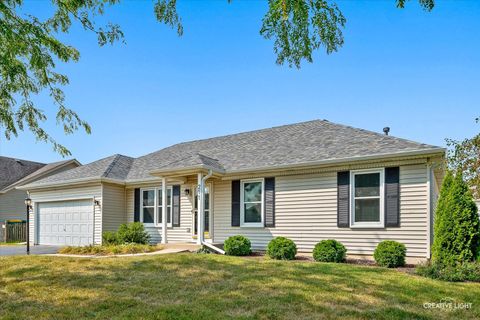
x,y
386,130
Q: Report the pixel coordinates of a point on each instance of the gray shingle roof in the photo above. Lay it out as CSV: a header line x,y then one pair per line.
x,y
280,146
294,144
38,173
113,167
12,170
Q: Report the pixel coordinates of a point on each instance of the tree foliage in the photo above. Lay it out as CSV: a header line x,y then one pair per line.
x,y
456,227
465,156
30,51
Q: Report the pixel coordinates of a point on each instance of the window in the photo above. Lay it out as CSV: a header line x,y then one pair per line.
x,y
151,201
367,198
251,210
169,207
148,206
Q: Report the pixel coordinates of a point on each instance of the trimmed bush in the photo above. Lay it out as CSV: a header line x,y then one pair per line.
x,y
467,271
456,230
237,246
109,238
282,248
132,233
329,251
390,254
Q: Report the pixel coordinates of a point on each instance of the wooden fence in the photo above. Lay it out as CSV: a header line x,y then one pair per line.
x,y
15,231
2,231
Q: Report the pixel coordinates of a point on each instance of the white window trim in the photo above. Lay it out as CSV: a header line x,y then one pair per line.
x,y
155,223
379,224
242,205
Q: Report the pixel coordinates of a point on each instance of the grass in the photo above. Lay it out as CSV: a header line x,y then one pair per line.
x,y
110,249
194,286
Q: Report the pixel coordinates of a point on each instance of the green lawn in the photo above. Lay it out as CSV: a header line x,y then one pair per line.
x,y
192,286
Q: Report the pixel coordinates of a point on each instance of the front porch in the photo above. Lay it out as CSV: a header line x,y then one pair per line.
x,y
178,209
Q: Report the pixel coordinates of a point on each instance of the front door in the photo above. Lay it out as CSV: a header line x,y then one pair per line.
x,y
207,213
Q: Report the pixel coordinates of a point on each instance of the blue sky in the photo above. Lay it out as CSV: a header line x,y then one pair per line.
x,y
414,71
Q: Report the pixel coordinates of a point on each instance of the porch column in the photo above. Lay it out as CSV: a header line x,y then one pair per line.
x,y
164,210
201,208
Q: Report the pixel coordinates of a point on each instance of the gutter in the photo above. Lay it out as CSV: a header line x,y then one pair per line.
x,y
74,182
382,156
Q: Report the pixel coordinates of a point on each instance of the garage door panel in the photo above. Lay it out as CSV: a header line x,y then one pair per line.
x,y
66,223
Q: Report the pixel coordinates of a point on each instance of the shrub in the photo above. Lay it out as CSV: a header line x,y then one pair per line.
x,y
110,238
237,246
132,233
466,271
282,248
329,251
456,230
390,254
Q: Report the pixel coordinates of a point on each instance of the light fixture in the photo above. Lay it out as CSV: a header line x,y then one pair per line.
x,y
96,202
28,202
187,192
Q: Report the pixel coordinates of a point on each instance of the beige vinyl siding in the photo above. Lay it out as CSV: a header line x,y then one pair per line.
x,y
306,212
113,206
63,194
12,205
176,234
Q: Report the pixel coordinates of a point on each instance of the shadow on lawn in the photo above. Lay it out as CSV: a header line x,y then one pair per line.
x,y
216,287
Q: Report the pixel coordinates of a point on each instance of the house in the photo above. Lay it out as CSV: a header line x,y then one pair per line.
x,y
307,181
14,172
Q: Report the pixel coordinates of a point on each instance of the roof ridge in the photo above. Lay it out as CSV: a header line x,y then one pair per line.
x,y
114,162
204,155
238,133
24,160
383,135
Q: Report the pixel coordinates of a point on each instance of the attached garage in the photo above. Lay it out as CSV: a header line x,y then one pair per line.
x,y
65,222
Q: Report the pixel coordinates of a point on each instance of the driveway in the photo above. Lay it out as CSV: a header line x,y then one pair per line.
x,y
18,250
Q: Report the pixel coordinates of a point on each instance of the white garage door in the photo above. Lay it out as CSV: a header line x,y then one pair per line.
x,y
65,223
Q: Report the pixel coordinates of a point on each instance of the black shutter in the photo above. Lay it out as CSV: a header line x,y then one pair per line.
x,y
270,202
392,197
236,203
136,212
343,199
176,206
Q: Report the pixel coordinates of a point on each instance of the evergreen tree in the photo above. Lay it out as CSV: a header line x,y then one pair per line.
x,y
456,228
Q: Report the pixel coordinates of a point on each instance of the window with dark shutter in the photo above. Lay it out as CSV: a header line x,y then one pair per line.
x,y
136,209
343,199
176,205
236,203
392,197
270,202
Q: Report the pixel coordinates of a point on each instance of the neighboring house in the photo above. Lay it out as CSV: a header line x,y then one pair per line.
x,y
14,172
308,181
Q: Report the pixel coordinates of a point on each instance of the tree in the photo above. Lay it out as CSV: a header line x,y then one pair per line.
x,y
30,49
456,227
465,156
